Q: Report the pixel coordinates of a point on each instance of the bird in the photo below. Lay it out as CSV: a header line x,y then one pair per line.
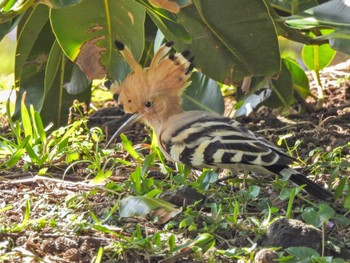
x,y
197,138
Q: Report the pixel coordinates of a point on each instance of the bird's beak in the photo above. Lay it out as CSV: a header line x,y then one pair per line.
x,y
133,119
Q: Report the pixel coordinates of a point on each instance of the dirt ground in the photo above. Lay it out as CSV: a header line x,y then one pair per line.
x,y
327,128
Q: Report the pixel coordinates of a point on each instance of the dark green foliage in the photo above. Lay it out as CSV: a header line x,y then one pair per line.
x,y
230,40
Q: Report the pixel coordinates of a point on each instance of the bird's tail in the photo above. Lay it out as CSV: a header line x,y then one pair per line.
x,y
310,187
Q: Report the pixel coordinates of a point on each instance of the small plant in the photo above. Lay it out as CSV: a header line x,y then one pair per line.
x,y
307,255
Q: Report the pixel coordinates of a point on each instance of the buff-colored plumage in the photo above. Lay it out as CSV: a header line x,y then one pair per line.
x,y
197,138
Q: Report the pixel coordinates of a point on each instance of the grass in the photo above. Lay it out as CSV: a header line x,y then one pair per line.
x,y
114,211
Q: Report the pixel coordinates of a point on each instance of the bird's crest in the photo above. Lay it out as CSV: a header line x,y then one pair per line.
x,y
167,74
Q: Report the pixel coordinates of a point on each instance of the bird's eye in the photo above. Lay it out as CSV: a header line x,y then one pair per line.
x,y
148,104
107,83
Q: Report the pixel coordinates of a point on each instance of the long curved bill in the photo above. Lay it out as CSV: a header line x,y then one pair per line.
x,y
133,119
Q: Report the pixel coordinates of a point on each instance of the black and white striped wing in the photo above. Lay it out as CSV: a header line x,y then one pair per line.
x,y
205,140
215,141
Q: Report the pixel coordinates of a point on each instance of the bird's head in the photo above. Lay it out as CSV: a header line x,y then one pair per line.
x,y
154,93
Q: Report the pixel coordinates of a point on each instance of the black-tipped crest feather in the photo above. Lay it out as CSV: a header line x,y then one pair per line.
x,y
120,46
186,53
169,43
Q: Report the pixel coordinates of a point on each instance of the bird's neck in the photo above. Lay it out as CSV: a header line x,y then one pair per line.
x,y
163,113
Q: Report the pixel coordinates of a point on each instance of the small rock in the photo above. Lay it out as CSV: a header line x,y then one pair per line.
x,y
182,197
265,256
293,233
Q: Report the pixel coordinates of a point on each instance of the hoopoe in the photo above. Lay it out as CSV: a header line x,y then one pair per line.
x,y
196,138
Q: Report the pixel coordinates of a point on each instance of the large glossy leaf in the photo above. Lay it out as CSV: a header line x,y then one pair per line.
x,y
317,57
166,20
300,80
203,94
87,31
282,90
339,42
9,10
60,3
333,14
8,26
41,69
33,47
60,74
4,29
293,7
230,39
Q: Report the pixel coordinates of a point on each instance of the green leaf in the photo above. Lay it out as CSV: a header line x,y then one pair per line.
x,y
317,57
205,241
39,127
338,40
311,217
58,74
253,191
34,157
101,176
203,94
11,10
338,260
171,242
290,203
165,19
90,41
207,178
34,42
60,3
202,242
317,218
302,252
18,154
4,29
325,213
136,179
347,201
71,157
7,27
282,90
147,163
225,37
42,71
98,258
235,213
332,14
299,78
293,7
129,147
25,218
27,123
54,63
340,188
